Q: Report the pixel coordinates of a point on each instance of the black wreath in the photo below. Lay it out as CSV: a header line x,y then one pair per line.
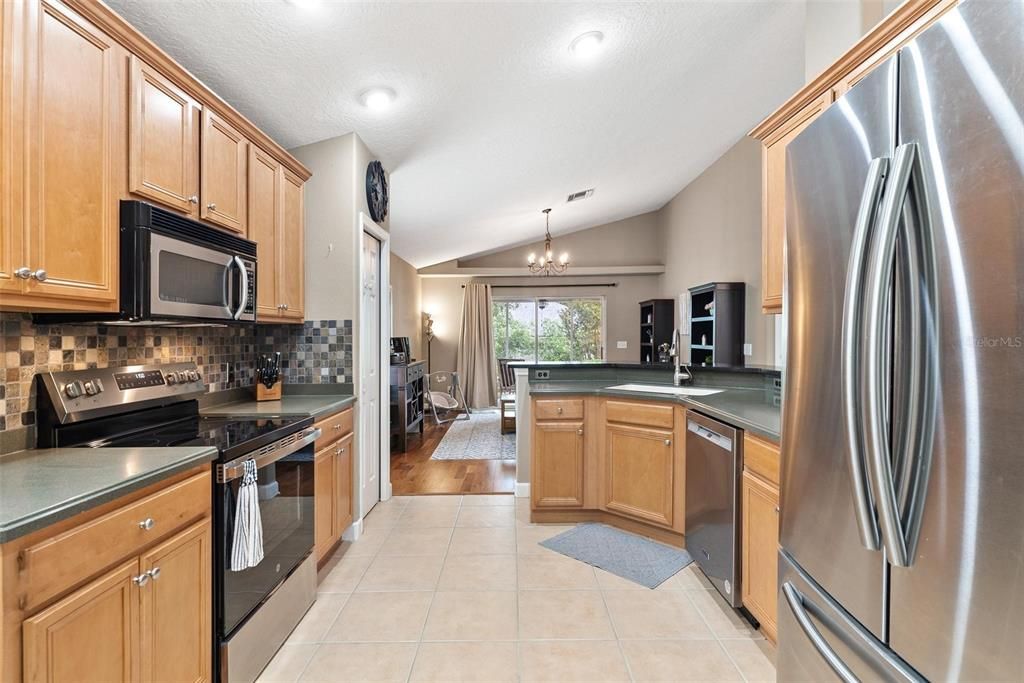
x,y
377,191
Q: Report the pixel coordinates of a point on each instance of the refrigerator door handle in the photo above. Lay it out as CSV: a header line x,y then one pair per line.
x,y
879,286
796,605
853,316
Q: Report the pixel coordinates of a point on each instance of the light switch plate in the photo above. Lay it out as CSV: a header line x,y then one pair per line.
x,y
748,349
621,345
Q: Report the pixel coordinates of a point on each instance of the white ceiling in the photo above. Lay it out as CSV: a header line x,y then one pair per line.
x,y
495,120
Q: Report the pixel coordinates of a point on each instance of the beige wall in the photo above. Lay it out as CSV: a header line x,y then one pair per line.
x,y
833,26
711,232
407,305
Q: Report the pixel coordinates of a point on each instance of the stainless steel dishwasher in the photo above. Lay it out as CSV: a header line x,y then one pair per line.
x,y
714,464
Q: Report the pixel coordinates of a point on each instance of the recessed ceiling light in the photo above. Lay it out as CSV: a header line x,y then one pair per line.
x,y
378,99
586,44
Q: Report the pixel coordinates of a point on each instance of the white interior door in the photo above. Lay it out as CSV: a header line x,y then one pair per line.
x,y
370,378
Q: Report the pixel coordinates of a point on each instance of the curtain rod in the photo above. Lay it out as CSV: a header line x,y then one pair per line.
x,y
572,284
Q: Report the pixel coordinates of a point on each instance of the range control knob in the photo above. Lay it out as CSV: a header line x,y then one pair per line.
x,y
171,377
193,375
73,389
90,388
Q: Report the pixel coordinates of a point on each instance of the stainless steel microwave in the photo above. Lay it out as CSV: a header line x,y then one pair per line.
x,y
175,271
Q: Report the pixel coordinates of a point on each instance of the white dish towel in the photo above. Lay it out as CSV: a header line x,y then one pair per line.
x,y
247,546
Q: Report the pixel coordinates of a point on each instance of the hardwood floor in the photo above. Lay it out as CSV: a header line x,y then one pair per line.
x,y
413,472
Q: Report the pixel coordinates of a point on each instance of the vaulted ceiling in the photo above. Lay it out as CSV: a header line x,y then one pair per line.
x,y
494,119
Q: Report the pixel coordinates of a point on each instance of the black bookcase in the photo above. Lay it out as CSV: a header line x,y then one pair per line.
x,y
717,324
657,320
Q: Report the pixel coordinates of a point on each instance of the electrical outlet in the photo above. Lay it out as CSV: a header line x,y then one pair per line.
x,y
748,349
543,374
621,345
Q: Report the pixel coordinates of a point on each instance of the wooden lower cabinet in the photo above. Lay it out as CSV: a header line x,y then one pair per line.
x,y
639,479
91,635
759,503
332,482
557,466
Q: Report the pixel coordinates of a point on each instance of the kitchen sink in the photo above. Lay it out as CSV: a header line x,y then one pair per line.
x,y
663,389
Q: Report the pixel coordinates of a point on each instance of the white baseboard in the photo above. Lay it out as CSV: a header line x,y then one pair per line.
x,y
522,490
353,532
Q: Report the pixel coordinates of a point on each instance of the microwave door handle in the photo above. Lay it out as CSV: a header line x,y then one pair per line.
x,y
229,296
244,286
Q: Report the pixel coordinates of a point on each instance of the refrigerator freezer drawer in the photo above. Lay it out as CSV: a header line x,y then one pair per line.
x,y
819,641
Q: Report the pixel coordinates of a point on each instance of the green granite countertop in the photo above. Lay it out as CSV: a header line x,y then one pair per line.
x,y
43,486
314,405
748,409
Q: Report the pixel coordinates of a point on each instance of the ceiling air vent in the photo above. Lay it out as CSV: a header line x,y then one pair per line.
x,y
582,194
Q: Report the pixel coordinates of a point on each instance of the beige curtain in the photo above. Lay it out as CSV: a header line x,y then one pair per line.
x,y
475,361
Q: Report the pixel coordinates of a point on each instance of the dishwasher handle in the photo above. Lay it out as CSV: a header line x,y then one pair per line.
x,y
700,430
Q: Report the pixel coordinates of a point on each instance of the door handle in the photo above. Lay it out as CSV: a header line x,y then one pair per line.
x,y
245,287
853,315
879,285
796,605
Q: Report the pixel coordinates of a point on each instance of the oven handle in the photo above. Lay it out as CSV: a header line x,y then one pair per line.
x,y
245,287
268,454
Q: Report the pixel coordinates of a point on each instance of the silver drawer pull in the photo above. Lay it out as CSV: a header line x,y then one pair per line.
x,y
559,410
142,579
193,199
39,275
579,431
668,442
23,273
147,524
211,207
154,573
337,427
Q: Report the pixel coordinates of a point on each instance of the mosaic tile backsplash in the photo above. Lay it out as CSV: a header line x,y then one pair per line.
x,y
317,352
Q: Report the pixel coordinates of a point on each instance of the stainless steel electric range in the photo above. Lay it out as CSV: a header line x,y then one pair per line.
x,y
155,405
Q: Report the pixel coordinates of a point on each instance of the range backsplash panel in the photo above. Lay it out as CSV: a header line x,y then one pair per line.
x,y
316,352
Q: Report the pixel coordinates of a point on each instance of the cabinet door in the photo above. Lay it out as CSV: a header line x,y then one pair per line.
x,y
177,608
343,484
292,246
264,217
773,213
163,141
223,156
324,518
760,541
557,479
639,477
12,120
91,635
75,128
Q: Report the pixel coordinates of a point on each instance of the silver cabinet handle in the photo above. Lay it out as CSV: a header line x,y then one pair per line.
x,y
23,273
668,442
193,199
147,524
39,275
796,605
211,207
154,573
850,375
286,307
142,579
776,509
559,410
336,427
579,431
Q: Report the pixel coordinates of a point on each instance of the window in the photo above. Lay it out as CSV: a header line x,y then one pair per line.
x,y
549,329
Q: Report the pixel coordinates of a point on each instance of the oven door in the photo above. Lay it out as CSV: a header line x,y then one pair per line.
x,y
285,494
188,280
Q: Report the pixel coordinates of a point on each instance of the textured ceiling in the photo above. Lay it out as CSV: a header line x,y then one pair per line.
x,y
495,120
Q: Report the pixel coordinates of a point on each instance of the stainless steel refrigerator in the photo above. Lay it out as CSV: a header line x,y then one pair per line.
x,y
902,531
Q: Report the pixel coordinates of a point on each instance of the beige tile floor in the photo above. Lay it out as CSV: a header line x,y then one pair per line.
x,y
453,588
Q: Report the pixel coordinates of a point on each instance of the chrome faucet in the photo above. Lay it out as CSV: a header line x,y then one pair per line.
x,y
682,374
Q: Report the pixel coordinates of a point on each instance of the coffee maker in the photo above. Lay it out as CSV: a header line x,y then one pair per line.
x,y
400,350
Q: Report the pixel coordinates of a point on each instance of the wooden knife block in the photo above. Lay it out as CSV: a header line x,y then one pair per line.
x,y
271,394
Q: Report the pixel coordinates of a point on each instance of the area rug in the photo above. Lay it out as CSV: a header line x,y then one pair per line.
x,y
632,557
478,438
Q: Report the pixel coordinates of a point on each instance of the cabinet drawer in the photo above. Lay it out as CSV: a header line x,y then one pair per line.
x,y
761,457
647,414
333,427
58,563
558,409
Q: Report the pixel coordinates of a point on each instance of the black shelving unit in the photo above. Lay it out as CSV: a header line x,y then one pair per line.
x,y
407,387
717,324
657,320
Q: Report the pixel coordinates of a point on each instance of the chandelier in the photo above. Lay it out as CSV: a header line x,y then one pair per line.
x,y
547,265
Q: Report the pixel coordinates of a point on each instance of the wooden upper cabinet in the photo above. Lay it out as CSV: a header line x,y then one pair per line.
x,y
163,141
292,246
264,217
557,467
639,464
91,635
773,196
66,118
176,608
759,504
223,159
